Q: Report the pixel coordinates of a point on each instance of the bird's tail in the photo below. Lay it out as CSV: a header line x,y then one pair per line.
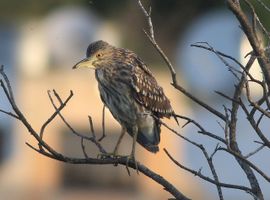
x,y
148,134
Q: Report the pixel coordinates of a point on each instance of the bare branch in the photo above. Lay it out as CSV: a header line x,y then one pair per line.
x,y
149,20
48,151
201,103
254,152
9,113
83,148
247,162
201,129
226,96
201,147
122,161
254,126
259,50
91,126
256,105
233,145
226,128
256,112
8,90
220,55
213,170
9,94
172,69
57,111
151,38
199,174
63,103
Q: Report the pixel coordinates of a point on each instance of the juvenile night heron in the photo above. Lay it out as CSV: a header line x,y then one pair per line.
x,y
131,93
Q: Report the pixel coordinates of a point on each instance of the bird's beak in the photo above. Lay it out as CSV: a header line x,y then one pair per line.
x,y
87,63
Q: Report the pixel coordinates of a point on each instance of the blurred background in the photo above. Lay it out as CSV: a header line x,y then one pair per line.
x,y
42,40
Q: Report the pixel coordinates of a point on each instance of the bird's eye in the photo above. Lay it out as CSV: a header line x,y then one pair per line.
x,y
98,55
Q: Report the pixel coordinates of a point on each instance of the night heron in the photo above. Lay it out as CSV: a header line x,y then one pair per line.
x,y
131,93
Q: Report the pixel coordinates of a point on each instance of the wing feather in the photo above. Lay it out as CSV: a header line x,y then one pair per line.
x,y
148,93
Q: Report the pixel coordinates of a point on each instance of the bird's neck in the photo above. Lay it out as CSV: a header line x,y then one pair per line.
x,y
103,75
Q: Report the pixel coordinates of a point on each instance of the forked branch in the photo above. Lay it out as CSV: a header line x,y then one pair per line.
x,y
47,150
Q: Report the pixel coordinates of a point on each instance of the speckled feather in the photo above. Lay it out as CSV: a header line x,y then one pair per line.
x,y
149,93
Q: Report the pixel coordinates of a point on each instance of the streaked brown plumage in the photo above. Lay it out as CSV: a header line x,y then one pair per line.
x,y
130,91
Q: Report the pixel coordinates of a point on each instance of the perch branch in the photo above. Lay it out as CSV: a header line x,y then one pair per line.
x,y
48,151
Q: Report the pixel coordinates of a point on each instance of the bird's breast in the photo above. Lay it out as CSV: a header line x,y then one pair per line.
x,y
116,96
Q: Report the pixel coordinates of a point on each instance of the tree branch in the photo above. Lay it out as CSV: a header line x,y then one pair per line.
x,y
199,174
48,151
257,47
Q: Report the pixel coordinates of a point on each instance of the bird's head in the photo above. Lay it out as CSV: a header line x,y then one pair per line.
x,y
97,53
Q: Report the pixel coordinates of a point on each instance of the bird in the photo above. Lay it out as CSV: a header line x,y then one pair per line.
x,y
130,91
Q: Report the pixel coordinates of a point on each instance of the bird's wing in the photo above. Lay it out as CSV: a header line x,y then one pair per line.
x,y
148,93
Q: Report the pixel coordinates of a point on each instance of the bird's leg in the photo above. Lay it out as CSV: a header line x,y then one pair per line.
x,y
103,124
123,131
114,154
132,155
133,151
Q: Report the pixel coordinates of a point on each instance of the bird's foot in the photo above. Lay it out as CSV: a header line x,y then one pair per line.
x,y
112,155
130,159
103,156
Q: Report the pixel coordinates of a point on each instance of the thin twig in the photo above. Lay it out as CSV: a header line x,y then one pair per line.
x,y
254,152
148,18
231,68
56,112
83,148
199,174
201,147
254,125
154,43
9,113
92,130
201,129
249,163
73,131
9,94
226,96
256,105
213,170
